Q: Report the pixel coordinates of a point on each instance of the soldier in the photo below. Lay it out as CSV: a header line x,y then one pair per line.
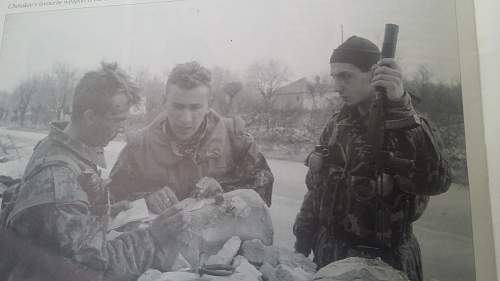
x,y
56,224
186,143
338,217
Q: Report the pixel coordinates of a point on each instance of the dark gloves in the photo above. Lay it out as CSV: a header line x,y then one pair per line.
x,y
159,201
207,188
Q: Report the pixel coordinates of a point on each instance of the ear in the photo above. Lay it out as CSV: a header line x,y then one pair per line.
x,y
89,116
211,99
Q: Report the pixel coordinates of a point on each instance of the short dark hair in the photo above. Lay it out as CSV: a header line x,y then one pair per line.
x,y
189,75
96,89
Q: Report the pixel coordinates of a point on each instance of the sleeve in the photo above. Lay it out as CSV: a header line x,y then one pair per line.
x,y
431,174
124,176
315,161
75,230
252,170
400,109
307,222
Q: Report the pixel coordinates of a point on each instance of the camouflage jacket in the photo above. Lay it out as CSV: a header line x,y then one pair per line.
x,y
55,211
342,196
152,159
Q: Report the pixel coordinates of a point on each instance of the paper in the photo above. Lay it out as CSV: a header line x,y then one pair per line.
x,y
138,212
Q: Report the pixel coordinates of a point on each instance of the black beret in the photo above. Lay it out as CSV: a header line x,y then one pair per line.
x,y
358,51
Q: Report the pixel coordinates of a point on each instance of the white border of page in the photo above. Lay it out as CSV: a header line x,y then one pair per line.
x,y
481,102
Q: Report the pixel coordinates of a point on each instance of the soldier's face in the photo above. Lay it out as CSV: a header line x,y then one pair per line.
x,y
352,84
186,109
104,127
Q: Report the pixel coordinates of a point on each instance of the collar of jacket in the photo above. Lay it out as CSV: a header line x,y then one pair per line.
x,y
349,116
94,155
210,145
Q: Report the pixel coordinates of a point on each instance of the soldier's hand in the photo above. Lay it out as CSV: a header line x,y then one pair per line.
x,y
159,201
169,224
207,187
387,74
118,207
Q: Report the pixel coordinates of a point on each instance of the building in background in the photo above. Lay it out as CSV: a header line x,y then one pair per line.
x,y
306,94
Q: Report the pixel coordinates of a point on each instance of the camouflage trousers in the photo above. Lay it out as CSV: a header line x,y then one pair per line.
x,y
406,257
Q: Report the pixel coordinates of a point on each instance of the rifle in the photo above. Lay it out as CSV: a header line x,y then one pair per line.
x,y
376,133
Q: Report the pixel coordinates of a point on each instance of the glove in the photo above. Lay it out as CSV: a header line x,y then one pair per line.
x,y
168,225
159,201
206,188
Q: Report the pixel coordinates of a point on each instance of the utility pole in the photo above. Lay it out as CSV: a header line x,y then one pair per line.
x,y
341,33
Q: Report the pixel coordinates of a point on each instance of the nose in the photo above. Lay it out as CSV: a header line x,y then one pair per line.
x,y
337,84
186,117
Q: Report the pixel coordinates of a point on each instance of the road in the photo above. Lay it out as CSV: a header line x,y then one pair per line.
x,y
444,232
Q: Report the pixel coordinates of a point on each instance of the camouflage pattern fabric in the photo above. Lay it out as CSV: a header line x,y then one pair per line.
x,y
58,212
222,150
337,217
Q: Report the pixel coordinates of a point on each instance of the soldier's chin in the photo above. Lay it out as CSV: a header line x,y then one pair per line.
x,y
348,101
183,136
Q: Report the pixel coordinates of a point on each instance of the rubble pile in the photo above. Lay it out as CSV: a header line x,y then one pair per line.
x,y
249,260
212,225
230,240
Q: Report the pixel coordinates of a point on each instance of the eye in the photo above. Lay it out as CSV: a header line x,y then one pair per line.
x,y
342,76
345,76
178,106
195,107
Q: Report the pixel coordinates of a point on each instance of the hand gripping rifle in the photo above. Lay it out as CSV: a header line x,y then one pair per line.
x,y
376,133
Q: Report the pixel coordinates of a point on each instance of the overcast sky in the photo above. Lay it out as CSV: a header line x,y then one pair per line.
x,y
228,33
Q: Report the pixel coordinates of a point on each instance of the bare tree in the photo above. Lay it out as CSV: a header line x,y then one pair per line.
x,y
231,89
422,80
317,91
65,79
313,90
43,104
267,78
22,97
152,89
220,78
4,104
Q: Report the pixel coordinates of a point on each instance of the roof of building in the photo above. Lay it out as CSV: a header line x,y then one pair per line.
x,y
295,87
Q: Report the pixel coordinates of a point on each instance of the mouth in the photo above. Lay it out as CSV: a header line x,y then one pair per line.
x,y
345,97
184,130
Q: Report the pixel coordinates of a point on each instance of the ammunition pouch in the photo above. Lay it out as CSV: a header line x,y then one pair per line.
x,y
350,210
